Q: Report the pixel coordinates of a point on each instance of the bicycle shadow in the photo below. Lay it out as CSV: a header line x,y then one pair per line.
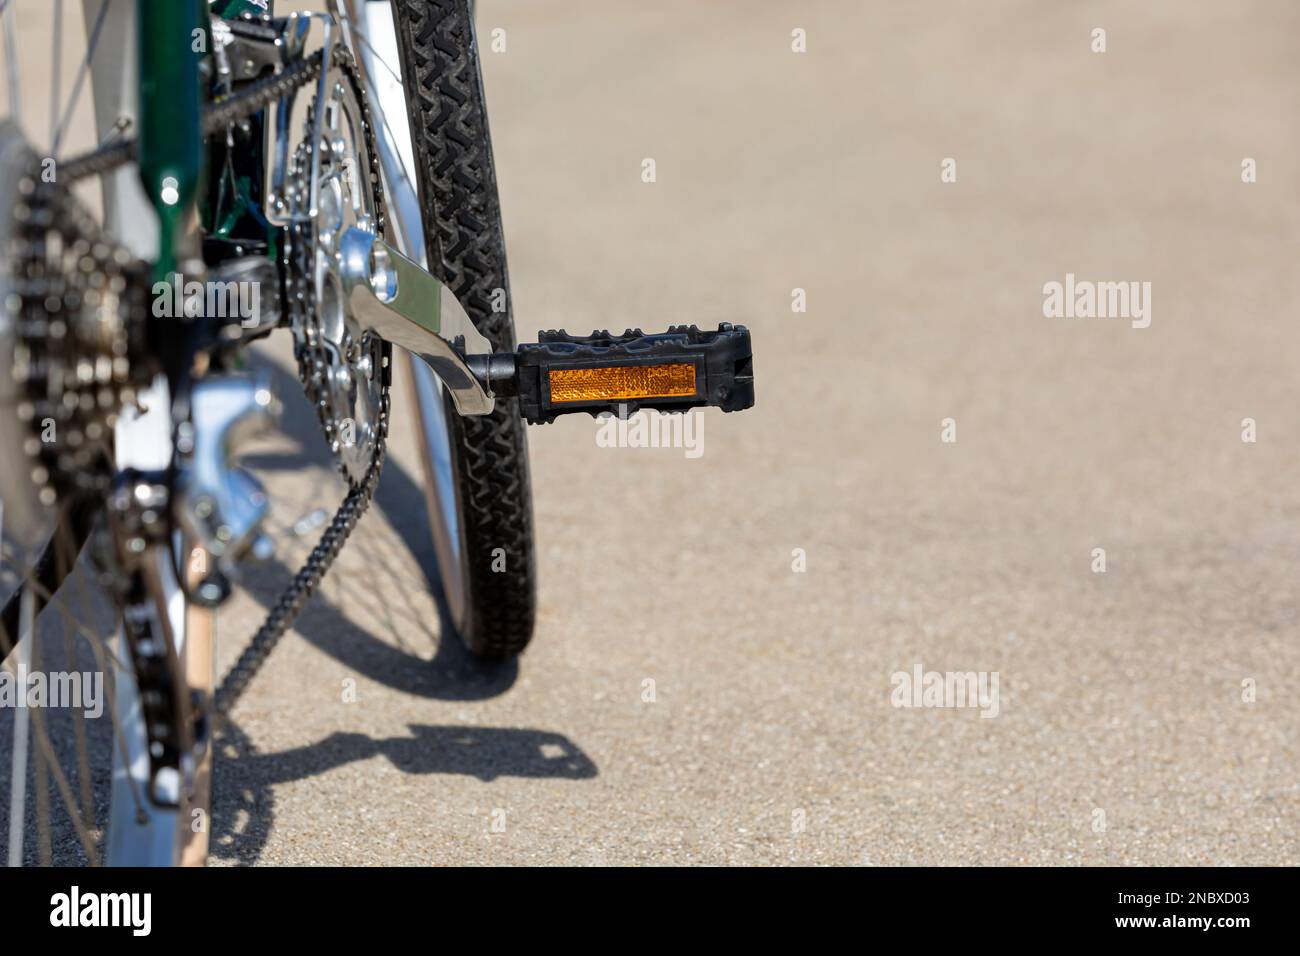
x,y
244,777
485,753
243,799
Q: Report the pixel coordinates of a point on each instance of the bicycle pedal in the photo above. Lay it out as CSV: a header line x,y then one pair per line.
x,y
671,371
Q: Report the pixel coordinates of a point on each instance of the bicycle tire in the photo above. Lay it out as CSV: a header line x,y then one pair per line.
x,y
461,213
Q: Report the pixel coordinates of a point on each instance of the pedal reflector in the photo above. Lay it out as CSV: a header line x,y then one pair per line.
x,y
618,383
671,371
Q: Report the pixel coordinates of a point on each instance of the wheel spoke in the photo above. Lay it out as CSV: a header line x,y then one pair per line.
x,y
383,117
18,779
41,776
56,58
11,55
82,71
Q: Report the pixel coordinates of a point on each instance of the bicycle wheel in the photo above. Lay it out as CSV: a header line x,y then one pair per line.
x,y
72,737
479,490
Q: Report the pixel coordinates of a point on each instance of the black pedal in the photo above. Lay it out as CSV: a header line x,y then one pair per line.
x,y
669,371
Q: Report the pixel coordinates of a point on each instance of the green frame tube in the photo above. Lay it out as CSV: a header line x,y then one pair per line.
x,y
173,34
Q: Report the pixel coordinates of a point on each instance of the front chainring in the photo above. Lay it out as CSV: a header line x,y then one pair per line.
x,y
343,368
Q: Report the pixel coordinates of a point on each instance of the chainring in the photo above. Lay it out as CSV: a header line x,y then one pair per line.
x,y
343,367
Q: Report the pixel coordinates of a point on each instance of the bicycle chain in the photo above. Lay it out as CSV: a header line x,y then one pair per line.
x,y
359,495
220,115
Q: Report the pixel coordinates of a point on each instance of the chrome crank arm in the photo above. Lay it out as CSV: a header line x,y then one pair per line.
x,y
393,297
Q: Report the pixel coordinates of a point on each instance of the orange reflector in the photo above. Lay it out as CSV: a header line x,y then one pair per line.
x,y
619,382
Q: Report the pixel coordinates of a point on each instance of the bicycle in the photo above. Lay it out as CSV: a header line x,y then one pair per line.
x,y
328,174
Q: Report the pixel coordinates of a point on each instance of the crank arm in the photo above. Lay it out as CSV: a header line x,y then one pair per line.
x,y
397,300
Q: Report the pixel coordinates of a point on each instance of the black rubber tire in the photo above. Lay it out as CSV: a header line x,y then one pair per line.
x,y
467,252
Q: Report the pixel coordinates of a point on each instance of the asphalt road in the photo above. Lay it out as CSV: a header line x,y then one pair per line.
x,y
1145,715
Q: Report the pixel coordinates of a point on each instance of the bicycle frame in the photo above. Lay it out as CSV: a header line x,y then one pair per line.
x,y
171,38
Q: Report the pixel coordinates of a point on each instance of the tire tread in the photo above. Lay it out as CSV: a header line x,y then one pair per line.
x,y
467,252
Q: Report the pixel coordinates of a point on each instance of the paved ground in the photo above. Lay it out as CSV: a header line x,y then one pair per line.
x,y
1122,735
1119,692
